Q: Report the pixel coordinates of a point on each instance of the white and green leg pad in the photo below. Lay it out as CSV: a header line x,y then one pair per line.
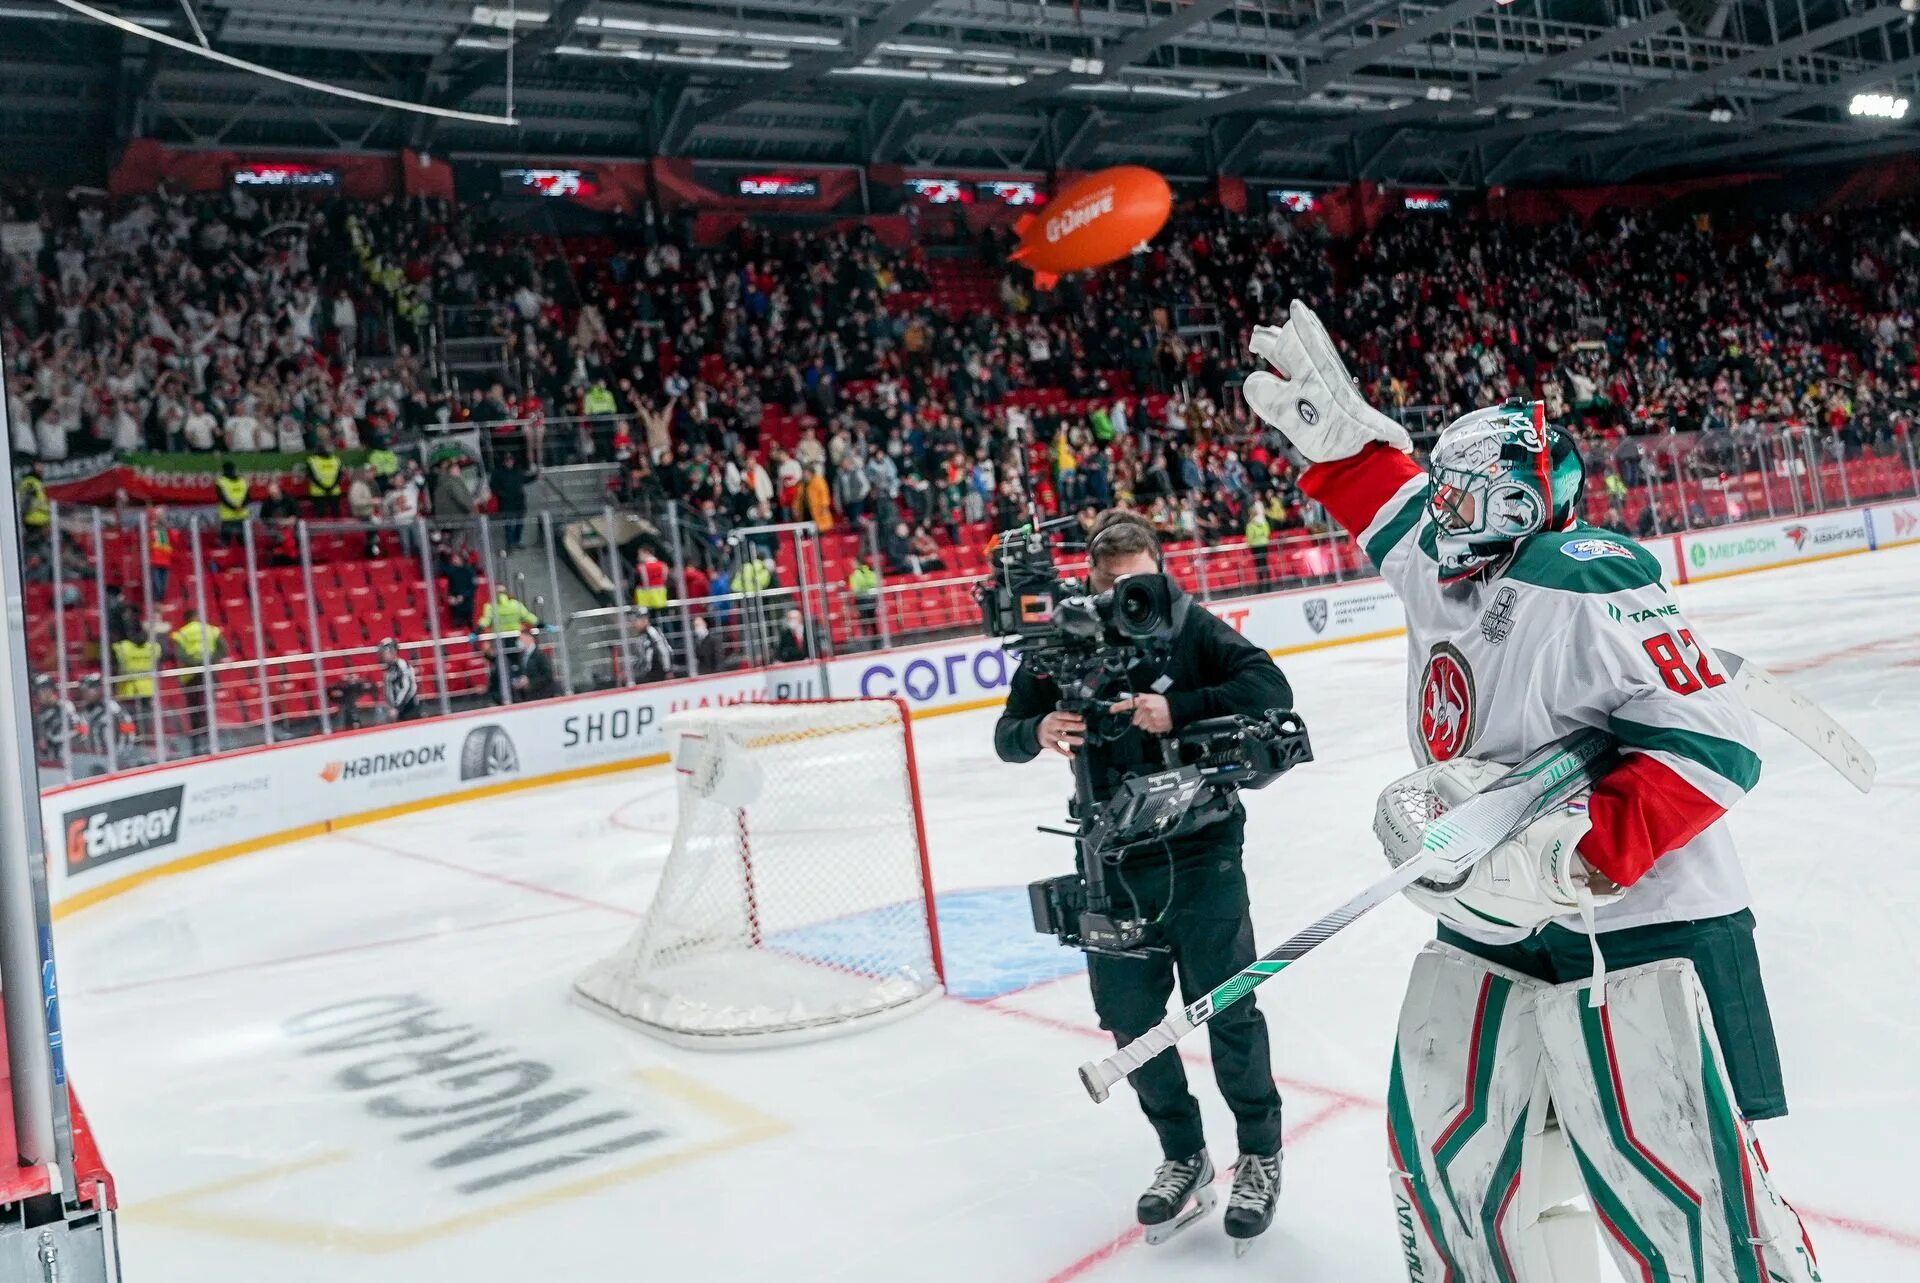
x,y
1478,1192
1671,1168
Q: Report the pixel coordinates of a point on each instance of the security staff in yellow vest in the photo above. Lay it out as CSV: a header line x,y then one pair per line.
x,y
1259,535
381,458
230,497
196,643
598,400
864,584
650,581
505,613
325,489
36,514
134,663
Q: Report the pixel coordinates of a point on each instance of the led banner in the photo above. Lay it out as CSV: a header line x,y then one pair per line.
x,y
288,176
777,187
576,184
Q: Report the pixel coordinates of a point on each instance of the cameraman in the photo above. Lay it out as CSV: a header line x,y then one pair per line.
x,y
1191,885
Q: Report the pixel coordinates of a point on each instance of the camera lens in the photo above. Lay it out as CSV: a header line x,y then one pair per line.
x,y
1140,610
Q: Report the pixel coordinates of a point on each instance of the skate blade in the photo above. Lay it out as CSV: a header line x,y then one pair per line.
x,y
1204,1201
1241,1246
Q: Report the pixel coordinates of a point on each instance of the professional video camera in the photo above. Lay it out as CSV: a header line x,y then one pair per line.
x,y
1077,638
1086,643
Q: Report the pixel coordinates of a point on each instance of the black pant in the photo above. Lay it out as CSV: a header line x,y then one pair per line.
x,y
1211,935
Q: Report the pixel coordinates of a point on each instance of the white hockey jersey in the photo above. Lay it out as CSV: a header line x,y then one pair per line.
x,y
1578,631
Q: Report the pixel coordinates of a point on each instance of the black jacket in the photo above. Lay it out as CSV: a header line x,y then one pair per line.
x,y
1213,671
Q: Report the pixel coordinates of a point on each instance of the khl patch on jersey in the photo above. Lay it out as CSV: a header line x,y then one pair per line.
x,y
1594,549
1498,621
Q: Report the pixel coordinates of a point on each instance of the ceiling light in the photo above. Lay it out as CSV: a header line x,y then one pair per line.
x,y
1720,115
967,78
488,16
702,31
1439,93
1878,106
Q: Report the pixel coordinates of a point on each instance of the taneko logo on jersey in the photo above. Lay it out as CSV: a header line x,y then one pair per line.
x,y
1594,549
1447,711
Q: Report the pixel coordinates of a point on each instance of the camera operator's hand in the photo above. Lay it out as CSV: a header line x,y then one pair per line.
x,y
1150,712
1062,733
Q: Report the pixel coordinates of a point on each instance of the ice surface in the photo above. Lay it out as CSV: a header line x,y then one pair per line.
x,y
285,1055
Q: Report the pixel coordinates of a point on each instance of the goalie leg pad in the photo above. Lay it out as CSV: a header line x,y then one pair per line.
x,y
1467,1068
1642,1091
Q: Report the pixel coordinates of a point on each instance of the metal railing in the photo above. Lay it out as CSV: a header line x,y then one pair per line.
x,y
301,608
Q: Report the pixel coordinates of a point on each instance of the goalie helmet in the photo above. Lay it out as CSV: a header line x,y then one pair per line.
x,y
1499,476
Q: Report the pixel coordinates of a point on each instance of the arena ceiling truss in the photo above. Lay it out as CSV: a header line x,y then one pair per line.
x,y
1447,92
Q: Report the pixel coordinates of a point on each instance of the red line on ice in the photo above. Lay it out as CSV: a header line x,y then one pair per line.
x,y
1191,1057
1342,1100
485,876
1127,1238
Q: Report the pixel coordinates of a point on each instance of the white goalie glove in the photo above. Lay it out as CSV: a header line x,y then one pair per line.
x,y
1312,400
1519,886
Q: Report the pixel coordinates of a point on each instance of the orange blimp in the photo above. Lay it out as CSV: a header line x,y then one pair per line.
x,y
1101,218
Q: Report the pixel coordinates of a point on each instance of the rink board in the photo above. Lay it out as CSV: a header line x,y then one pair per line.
x,y
117,833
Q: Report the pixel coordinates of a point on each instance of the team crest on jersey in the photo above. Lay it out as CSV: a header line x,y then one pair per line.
x,y
1447,712
1498,621
1315,609
1594,549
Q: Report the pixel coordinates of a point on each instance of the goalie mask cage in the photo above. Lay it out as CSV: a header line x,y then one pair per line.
x,y
796,902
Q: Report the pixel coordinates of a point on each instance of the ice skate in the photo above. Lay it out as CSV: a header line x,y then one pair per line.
x,y
1181,1193
1256,1188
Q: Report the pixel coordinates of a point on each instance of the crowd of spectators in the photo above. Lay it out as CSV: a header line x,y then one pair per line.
x,y
812,377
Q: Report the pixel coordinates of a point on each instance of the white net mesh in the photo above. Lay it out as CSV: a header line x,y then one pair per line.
x,y
793,900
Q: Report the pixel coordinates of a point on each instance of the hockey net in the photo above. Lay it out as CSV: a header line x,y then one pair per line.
x,y
795,902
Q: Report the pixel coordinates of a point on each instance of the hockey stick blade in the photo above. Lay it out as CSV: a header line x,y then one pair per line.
x,y
1800,717
1453,843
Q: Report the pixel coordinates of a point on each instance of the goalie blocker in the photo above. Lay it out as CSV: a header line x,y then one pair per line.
x,y
1519,1113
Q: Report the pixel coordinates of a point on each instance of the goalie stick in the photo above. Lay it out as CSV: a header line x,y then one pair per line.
x,y
1800,717
1460,838
1454,843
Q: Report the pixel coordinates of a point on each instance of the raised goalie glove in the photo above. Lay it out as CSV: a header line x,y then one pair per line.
x,y
1521,885
1312,400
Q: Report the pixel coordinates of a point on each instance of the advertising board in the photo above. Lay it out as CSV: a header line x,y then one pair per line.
x,y
103,833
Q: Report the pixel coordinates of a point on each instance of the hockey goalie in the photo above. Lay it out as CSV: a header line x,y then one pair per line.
x,y
1587,1039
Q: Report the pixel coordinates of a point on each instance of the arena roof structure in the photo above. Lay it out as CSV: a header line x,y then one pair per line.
x,y
1441,92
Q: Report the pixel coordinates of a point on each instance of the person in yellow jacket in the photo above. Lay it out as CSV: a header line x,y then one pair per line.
x,y
864,584
1259,535
134,663
201,644
818,499
599,400
326,488
755,577
36,513
505,613
230,498
381,458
